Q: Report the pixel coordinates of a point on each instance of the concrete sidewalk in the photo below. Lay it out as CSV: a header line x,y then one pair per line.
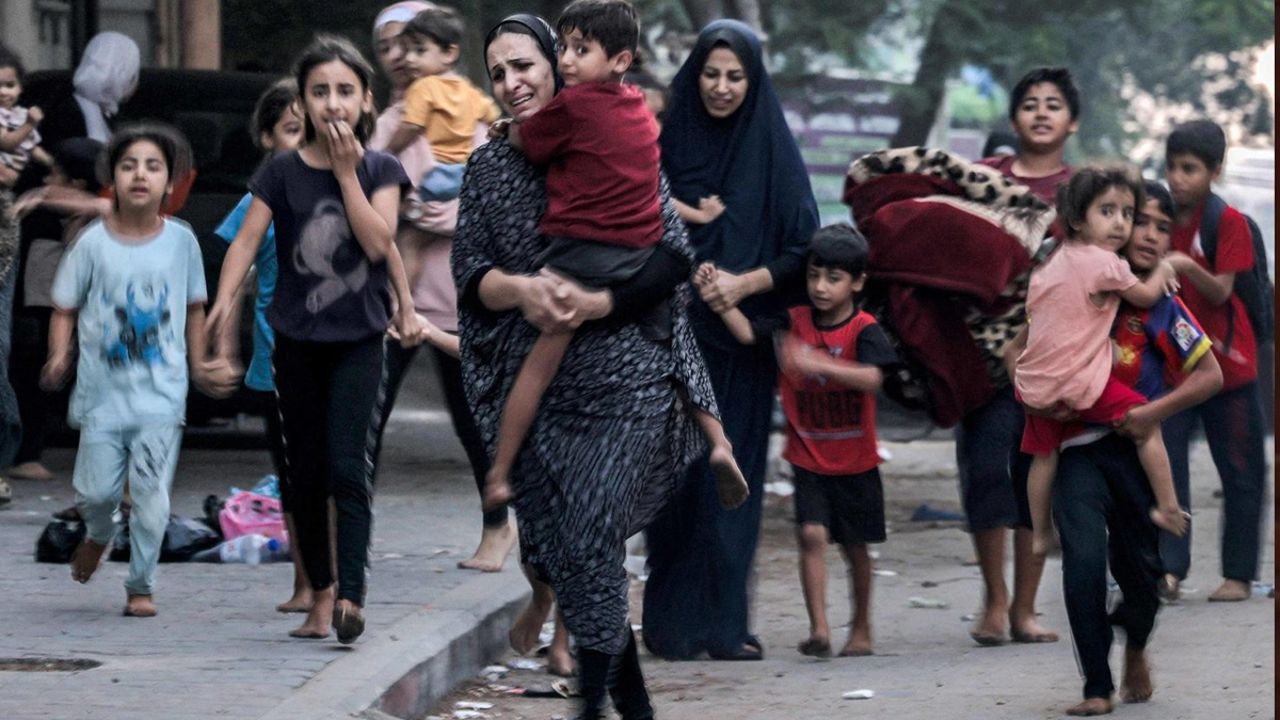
x,y
218,648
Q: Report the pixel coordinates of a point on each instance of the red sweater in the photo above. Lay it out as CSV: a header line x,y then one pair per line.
x,y
600,145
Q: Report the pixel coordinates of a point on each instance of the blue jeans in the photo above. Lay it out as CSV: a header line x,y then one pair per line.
x,y
1235,431
1100,501
148,457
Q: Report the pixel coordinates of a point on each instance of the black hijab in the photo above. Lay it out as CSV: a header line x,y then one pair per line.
x,y
541,32
749,159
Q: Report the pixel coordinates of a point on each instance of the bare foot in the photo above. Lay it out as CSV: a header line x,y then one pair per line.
x,y
495,545
1231,591
30,471
1030,631
1136,687
497,491
85,560
1091,707
990,629
301,601
858,644
1172,520
731,486
524,633
559,659
140,606
815,646
319,618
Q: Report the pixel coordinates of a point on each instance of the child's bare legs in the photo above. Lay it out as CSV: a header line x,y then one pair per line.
x,y
859,560
524,633
1040,500
731,486
1167,514
302,599
536,373
812,538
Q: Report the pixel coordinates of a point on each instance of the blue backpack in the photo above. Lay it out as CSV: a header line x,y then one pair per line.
x,y
1253,286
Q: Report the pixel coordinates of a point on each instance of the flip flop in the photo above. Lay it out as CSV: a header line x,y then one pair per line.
x,y
814,647
307,635
856,653
744,653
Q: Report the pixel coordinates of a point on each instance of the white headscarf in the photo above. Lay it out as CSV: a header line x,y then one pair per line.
x,y
107,75
401,12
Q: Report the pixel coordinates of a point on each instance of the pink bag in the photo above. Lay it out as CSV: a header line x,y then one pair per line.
x,y
246,512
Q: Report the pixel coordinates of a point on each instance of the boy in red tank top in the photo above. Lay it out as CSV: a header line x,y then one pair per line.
x,y
831,355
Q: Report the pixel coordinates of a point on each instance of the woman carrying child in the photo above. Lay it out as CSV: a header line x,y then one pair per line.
x,y
333,206
612,436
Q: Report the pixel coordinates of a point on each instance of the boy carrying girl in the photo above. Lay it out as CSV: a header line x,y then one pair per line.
x,y
832,359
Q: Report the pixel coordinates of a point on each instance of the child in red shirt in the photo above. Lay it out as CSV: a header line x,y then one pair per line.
x,y
1233,423
831,370
604,216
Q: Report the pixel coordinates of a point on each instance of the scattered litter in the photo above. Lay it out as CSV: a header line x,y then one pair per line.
x,y
557,689
925,513
884,573
391,556
468,715
873,554
884,453
526,664
1261,589
969,618
859,694
781,488
928,583
917,601
440,551
498,670
473,705
547,632
46,498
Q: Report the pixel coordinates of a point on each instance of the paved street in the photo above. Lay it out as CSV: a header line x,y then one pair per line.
x,y
1210,661
219,650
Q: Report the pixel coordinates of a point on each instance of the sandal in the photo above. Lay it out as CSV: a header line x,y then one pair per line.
x,y
348,623
814,647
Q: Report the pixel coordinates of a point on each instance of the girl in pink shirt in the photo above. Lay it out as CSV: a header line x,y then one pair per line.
x,y
1065,369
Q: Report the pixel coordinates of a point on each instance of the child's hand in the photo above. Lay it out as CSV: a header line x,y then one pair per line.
x,y
35,116
409,328
217,378
498,128
1170,281
54,373
704,274
344,149
798,359
1179,261
27,202
712,207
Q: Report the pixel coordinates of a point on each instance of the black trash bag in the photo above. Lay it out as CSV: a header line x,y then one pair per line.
x,y
185,537
59,541
212,506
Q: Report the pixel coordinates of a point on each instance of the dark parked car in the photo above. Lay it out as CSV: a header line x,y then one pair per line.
x,y
212,109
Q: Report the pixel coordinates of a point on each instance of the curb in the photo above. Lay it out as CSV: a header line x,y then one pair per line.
x,y
410,666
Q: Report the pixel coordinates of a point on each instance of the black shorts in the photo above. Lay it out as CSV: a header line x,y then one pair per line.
x,y
851,507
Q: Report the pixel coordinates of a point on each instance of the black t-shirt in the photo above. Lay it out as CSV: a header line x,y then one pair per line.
x,y
327,290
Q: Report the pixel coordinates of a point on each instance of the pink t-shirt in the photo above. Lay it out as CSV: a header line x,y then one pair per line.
x,y
1068,353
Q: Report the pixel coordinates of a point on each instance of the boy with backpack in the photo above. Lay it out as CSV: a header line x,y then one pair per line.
x,y
1219,255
